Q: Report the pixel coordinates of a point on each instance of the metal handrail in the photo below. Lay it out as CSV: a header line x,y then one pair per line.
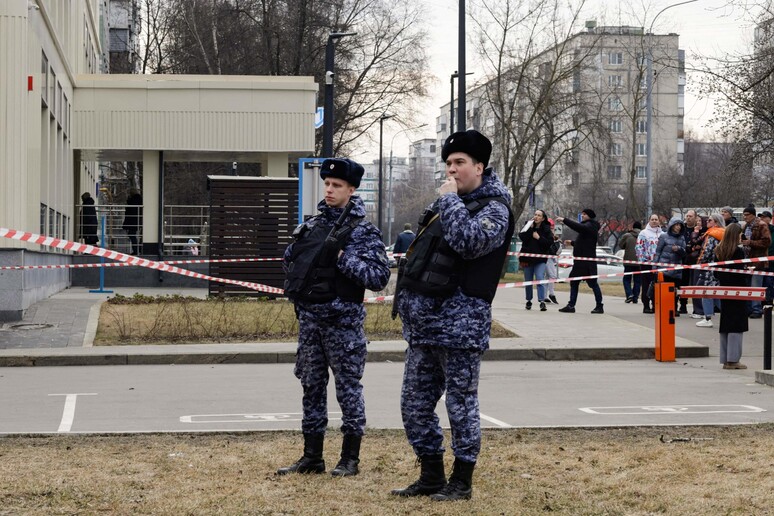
x,y
181,224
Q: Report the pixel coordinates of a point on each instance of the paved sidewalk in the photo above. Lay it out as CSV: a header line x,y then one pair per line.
x,y
60,330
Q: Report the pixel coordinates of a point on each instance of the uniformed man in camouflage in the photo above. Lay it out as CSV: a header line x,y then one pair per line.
x,y
334,257
445,292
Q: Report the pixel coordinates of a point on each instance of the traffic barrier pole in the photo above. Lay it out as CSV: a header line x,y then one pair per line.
x,y
665,319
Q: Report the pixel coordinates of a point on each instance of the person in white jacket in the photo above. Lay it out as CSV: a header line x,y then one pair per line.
x,y
645,249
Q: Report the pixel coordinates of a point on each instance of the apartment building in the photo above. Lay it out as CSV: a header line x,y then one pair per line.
x,y
603,128
395,170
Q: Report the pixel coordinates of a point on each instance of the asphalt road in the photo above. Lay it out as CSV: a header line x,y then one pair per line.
x,y
196,398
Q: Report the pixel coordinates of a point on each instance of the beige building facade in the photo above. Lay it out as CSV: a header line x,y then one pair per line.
x,y
61,115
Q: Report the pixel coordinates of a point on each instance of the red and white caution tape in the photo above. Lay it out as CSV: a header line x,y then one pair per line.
x,y
133,260
129,260
126,264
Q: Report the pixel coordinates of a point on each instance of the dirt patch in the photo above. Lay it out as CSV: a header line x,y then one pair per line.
x,y
689,470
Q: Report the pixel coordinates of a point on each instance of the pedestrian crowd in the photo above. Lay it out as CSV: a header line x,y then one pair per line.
x,y
704,239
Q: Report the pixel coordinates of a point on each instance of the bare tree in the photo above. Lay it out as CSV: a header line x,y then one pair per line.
x,y
743,84
533,104
412,196
154,32
381,69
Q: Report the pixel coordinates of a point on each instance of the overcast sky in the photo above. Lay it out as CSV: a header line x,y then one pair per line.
x,y
706,27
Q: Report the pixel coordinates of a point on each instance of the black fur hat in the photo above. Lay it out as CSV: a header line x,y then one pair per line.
x,y
342,168
471,142
590,213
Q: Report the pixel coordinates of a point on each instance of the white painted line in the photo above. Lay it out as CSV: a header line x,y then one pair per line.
x,y
670,409
271,417
501,424
68,415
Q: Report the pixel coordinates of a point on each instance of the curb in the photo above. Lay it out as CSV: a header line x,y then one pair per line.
x,y
765,377
287,357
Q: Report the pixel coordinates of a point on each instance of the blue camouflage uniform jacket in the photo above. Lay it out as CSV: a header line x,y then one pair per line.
x,y
364,260
459,321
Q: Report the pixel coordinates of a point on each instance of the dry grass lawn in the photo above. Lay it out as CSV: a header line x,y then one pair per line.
x,y
703,470
170,320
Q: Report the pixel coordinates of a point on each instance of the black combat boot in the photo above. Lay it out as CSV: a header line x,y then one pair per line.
x,y
350,457
312,461
460,486
599,309
431,479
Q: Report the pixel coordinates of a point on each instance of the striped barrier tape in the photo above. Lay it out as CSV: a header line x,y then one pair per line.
x,y
126,264
129,260
133,260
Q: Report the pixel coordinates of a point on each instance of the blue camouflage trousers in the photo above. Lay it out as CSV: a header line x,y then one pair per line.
x,y
431,370
343,350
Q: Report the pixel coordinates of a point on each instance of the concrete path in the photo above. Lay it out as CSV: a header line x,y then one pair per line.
x,y
60,331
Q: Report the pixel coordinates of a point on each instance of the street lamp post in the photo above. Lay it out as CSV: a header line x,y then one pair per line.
x,y
389,182
649,113
461,69
382,118
451,102
330,73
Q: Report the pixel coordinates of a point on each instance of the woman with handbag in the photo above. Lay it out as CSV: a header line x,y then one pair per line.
x,y
536,238
733,312
712,237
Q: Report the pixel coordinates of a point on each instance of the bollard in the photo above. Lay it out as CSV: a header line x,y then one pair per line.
x,y
665,320
767,337
101,289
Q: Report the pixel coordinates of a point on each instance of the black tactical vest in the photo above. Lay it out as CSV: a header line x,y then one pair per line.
x,y
312,274
434,269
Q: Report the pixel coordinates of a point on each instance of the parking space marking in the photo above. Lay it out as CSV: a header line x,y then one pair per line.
x,y
670,409
270,417
68,415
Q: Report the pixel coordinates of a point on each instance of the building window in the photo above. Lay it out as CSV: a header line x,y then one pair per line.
x,y
65,109
615,58
642,149
52,95
432,147
43,212
614,104
616,126
44,79
642,172
642,126
576,80
614,171
643,103
616,149
51,222
614,81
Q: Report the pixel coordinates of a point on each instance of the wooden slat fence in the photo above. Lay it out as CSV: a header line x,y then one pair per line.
x,y
250,217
